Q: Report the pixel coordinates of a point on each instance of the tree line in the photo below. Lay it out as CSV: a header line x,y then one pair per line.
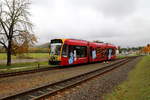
x,y
30,50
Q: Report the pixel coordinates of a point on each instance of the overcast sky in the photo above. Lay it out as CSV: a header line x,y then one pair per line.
x,y
120,22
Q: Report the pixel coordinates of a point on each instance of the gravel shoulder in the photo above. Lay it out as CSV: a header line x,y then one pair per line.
x,y
95,89
16,84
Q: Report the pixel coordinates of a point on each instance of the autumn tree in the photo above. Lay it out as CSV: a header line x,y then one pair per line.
x,y
146,49
23,43
14,24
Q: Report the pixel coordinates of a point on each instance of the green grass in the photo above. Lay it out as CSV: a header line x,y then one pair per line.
x,y
130,55
121,56
38,55
3,56
23,66
137,87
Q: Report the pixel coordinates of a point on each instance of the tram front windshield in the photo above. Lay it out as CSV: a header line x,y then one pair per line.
x,y
55,48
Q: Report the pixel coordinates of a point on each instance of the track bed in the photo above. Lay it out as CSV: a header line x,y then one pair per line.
x,y
70,71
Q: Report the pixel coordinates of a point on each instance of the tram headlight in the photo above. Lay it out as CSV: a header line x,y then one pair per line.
x,y
55,58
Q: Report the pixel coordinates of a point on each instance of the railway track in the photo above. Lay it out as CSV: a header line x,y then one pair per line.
x,y
10,74
2,75
51,89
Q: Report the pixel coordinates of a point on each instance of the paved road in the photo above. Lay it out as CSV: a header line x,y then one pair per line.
x,y
24,60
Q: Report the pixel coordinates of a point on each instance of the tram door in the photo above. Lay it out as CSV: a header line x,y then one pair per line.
x,y
92,54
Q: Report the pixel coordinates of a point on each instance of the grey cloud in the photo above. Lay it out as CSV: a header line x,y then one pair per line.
x,y
121,22
115,8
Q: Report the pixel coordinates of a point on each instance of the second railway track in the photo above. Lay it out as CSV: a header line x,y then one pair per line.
x,y
2,75
53,88
10,74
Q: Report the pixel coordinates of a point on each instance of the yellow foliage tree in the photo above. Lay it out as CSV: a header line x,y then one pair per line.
x,y
22,44
146,49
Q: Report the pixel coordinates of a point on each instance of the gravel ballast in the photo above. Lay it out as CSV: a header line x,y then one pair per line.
x,y
11,85
94,89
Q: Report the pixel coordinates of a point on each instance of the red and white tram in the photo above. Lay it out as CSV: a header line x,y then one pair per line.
x,y
65,52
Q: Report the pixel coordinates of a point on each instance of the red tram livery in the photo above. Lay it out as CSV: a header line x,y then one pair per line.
x,y
65,52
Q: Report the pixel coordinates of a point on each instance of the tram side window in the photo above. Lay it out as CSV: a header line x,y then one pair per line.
x,y
65,50
91,51
113,51
81,51
106,52
71,50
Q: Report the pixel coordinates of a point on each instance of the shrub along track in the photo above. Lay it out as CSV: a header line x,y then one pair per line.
x,y
10,74
52,89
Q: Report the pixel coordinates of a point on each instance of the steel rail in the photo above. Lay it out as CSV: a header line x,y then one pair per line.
x,y
53,88
10,74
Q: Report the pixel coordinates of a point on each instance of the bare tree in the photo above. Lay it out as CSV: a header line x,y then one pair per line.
x,y
14,22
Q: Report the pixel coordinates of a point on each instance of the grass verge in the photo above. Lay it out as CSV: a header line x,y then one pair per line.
x,y
137,87
23,66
